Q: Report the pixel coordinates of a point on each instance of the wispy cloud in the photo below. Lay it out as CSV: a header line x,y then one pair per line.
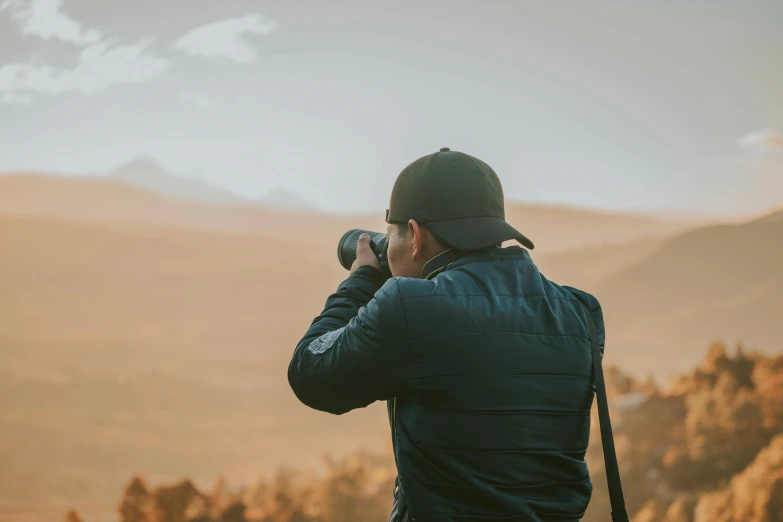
x,y
757,149
100,66
762,141
45,19
13,98
748,177
103,63
226,38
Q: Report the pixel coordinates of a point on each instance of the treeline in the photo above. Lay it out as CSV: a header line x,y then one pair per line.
x,y
706,448
355,488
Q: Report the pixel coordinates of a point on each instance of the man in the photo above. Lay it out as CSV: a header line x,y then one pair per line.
x,y
485,364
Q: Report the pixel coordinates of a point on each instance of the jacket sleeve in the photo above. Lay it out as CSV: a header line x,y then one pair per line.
x,y
595,310
353,354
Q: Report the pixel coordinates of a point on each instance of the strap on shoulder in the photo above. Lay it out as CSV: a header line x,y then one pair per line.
x,y
607,439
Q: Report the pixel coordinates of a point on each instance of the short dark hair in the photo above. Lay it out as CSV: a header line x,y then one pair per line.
x,y
402,230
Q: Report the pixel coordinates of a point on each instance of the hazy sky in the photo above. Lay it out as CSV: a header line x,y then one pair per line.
x,y
647,105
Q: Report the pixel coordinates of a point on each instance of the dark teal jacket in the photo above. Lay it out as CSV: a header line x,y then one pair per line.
x,y
487,369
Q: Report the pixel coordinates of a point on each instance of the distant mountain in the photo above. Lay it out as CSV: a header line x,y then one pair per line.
x,y
776,216
662,296
716,282
588,266
555,228
145,173
552,228
282,199
174,289
113,203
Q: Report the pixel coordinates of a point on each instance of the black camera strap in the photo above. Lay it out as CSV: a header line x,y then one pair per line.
x,y
607,439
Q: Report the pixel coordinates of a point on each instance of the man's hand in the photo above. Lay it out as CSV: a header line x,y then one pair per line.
x,y
364,254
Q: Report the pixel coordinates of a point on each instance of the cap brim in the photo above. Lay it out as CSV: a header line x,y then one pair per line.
x,y
476,233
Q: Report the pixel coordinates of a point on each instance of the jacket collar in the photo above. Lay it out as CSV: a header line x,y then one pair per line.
x,y
440,262
452,258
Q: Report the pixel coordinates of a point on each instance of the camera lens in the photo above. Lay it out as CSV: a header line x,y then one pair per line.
x,y
346,247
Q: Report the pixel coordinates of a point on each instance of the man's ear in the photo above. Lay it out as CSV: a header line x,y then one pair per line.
x,y
415,235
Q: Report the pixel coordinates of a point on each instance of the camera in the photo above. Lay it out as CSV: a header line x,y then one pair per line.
x,y
346,249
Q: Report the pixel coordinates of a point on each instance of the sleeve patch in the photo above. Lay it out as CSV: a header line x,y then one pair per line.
x,y
323,343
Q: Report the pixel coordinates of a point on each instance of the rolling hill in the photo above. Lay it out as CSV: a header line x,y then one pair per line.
x,y
554,228
718,282
126,345
155,349
588,266
115,204
171,292
107,202
772,217
663,296
199,291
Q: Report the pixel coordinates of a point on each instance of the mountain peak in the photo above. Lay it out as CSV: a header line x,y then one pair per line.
x,y
774,216
283,199
141,162
146,173
139,168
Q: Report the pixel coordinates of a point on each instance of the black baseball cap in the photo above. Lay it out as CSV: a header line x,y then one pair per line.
x,y
457,196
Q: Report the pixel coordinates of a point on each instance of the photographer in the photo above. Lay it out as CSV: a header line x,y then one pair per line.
x,y
485,364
